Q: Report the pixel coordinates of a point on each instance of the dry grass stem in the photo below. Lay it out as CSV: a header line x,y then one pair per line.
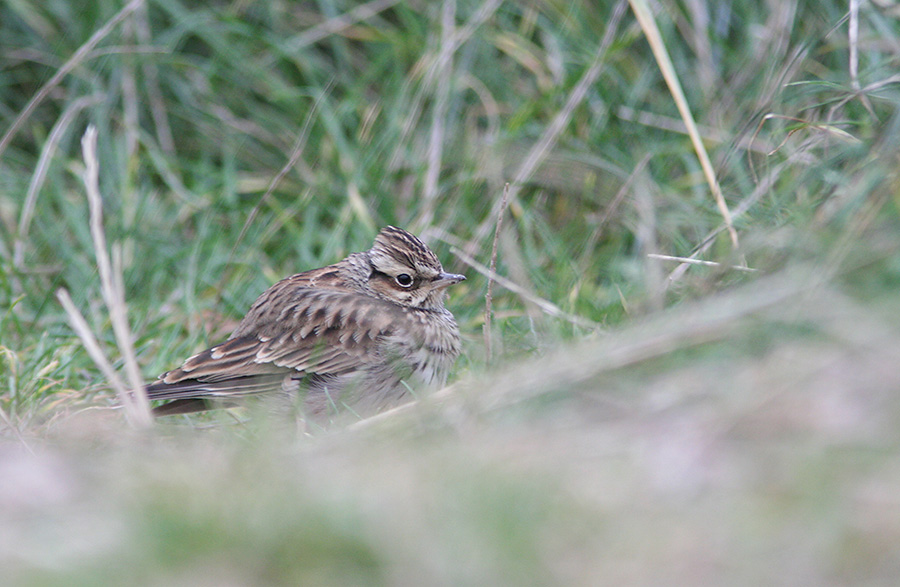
x,y
699,323
827,129
338,23
677,125
489,295
853,42
646,241
690,261
547,141
654,38
128,85
434,66
63,71
762,188
15,429
136,405
443,70
40,173
611,209
296,153
154,94
81,328
863,93
545,305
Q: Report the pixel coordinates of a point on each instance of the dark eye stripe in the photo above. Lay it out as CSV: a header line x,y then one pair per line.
x,y
393,280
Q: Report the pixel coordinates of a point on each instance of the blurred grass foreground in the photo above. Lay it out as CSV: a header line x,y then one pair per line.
x,y
671,390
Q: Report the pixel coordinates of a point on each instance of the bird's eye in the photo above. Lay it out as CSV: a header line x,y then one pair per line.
x,y
404,280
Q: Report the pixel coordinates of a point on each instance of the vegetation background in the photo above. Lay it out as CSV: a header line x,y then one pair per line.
x,y
637,420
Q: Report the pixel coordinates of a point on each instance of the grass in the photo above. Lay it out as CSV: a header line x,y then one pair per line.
x,y
639,420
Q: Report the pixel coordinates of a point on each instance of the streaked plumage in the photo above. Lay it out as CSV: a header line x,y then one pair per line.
x,y
355,333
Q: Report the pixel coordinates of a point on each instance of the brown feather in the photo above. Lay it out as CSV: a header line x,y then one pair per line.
x,y
352,320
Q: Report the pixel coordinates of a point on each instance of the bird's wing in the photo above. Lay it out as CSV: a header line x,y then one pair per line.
x,y
234,387
304,331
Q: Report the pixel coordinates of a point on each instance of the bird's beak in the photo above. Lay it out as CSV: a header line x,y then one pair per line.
x,y
445,279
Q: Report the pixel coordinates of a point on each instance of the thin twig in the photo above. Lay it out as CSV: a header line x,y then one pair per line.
x,y
63,71
489,296
136,405
545,305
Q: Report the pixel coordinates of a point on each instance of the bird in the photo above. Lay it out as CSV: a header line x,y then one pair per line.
x,y
359,334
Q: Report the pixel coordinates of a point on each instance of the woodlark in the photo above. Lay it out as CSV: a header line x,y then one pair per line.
x,y
359,333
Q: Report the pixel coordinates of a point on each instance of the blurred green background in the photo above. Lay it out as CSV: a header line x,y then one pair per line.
x,y
660,423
